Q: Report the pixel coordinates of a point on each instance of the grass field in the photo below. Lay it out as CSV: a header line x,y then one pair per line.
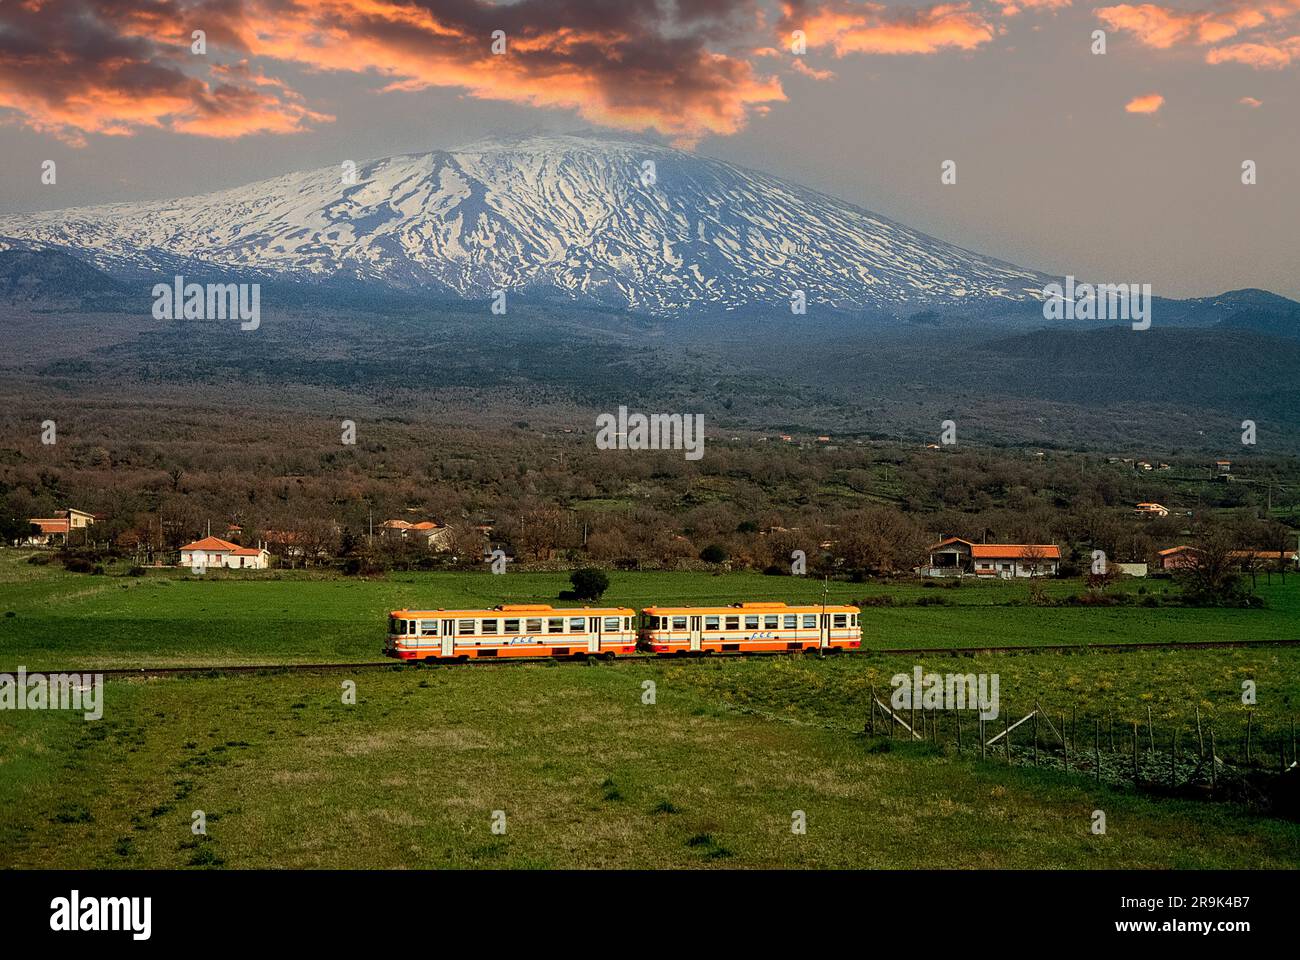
x,y
587,774
51,619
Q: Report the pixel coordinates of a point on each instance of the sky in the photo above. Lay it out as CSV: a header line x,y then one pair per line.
x,y
1122,166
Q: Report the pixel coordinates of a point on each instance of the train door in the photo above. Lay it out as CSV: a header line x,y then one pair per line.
x,y
824,631
697,640
593,635
448,638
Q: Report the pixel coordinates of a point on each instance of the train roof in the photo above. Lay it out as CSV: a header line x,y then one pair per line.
x,y
753,607
519,609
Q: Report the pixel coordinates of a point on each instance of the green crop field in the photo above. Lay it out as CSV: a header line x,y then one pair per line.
x,y
50,619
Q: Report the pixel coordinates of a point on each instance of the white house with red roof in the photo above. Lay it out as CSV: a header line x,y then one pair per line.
x,y
955,557
215,552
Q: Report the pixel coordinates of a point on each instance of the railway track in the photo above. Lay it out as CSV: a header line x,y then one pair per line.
x,y
645,657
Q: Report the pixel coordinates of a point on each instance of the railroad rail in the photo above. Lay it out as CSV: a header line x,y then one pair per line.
x,y
1116,647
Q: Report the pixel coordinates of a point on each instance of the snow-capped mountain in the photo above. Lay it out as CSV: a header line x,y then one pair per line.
x,y
614,222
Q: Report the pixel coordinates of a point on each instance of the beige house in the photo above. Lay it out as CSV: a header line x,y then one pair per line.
x,y
57,528
435,537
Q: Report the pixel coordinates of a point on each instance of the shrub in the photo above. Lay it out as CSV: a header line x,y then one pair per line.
x,y
589,583
713,553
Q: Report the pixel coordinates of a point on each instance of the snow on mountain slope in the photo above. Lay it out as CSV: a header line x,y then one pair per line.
x,y
548,215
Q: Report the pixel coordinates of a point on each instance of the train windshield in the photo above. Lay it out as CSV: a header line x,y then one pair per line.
x,y
396,626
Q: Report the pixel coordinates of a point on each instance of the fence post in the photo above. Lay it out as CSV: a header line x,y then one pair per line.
x,y
1214,773
1096,748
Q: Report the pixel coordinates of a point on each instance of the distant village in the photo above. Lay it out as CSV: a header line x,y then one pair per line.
x,y
949,557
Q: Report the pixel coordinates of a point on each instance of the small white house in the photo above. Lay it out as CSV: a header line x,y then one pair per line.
x,y
215,552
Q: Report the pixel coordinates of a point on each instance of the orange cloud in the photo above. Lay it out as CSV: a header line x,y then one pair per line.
x,y
1250,102
1147,103
1260,29
633,65
849,27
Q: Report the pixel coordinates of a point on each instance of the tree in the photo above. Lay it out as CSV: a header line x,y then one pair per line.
x,y
1209,577
589,583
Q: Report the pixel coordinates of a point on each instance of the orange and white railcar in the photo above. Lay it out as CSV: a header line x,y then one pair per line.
x,y
511,630
741,627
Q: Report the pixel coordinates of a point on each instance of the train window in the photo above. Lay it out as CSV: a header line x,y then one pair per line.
x,y
627,623
490,626
770,621
751,623
809,620
577,624
712,623
853,619
841,619
465,628
512,626
428,628
555,625
733,623
533,626
394,625
790,621
611,624
679,623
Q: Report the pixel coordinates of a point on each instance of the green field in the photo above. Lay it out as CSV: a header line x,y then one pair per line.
x,y
587,774
50,619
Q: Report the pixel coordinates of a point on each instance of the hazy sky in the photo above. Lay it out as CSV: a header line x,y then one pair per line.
x,y
1119,167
